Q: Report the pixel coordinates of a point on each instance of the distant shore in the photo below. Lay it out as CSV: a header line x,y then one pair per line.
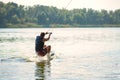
x,y
39,16
33,25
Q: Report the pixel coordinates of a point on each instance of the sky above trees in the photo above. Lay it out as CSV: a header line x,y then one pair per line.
x,y
94,4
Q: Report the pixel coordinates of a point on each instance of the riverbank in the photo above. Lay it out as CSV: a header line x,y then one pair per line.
x,y
33,25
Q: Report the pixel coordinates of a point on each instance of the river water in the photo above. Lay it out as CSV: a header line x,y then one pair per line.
x,y
80,54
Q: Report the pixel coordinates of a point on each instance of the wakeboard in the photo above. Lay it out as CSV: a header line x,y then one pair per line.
x,y
50,56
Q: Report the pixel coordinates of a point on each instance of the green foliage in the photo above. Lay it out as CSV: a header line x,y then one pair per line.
x,y
12,14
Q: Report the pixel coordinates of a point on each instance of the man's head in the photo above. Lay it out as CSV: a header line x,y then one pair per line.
x,y
42,34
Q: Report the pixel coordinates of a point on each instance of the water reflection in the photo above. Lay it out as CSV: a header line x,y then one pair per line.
x,y
42,70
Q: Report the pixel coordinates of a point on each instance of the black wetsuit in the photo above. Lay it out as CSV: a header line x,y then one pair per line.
x,y
39,44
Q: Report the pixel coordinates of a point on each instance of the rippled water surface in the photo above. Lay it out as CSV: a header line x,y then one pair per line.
x,y
80,54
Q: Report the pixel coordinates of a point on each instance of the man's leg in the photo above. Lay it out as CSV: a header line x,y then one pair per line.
x,y
48,49
41,53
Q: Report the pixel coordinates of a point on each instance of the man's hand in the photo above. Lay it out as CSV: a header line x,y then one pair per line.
x,y
46,33
50,32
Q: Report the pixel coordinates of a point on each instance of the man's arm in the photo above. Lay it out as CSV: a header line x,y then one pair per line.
x,y
46,39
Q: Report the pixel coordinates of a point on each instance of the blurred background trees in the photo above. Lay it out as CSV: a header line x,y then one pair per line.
x,y
43,15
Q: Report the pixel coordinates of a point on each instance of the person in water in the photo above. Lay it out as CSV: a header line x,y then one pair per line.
x,y
40,46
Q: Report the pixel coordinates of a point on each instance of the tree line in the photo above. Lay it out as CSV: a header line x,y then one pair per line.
x,y
12,13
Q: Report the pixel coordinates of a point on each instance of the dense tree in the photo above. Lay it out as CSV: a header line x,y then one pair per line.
x,y
18,14
2,13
